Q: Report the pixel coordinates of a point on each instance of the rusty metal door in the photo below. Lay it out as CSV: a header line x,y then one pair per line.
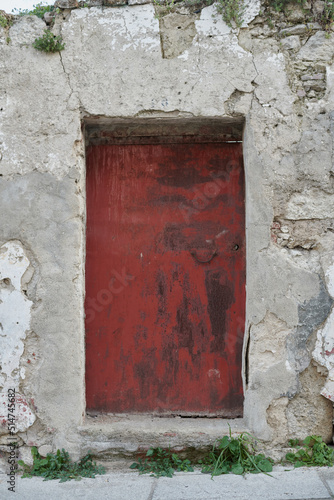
x,y
165,278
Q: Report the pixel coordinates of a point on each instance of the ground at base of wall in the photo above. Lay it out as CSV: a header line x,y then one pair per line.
x,y
306,484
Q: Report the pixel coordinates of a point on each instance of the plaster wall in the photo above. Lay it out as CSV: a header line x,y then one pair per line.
x,y
124,62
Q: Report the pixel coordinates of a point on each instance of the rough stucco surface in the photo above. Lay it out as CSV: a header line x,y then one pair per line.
x,y
126,63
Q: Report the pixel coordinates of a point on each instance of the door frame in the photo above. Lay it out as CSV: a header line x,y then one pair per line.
x,y
133,131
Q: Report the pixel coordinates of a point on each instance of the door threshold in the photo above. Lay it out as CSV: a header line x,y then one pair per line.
x,y
181,414
108,436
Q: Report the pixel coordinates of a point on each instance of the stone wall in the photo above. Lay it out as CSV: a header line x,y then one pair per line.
x,y
143,62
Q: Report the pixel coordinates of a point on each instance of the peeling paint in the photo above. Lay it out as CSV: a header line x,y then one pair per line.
x,y
311,313
324,348
211,23
252,9
15,313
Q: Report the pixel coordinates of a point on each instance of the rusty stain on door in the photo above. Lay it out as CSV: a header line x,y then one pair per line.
x,y
165,278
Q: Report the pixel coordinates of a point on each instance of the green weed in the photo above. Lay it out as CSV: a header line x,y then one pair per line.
x,y
281,5
235,455
60,466
5,22
232,11
326,19
49,42
312,452
160,462
167,5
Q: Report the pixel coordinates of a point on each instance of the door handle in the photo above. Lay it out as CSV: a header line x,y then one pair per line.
x,y
193,253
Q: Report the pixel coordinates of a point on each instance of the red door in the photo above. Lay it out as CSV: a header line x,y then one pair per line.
x,y
165,278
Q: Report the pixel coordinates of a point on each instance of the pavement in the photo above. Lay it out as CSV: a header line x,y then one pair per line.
x,y
296,484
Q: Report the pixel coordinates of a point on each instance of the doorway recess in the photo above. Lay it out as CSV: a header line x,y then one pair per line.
x,y
165,266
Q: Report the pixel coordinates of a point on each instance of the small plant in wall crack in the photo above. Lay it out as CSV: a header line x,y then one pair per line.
x,y
60,466
49,42
282,5
5,21
165,7
326,18
323,14
232,12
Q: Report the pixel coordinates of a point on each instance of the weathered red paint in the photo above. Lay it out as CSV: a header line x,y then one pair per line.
x,y
165,278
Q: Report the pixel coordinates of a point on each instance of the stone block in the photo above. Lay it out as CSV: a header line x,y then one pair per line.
x,y
318,76
301,93
315,85
317,48
114,3
67,4
177,33
299,29
318,7
291,43
49,17
139,2
295,13
44,450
